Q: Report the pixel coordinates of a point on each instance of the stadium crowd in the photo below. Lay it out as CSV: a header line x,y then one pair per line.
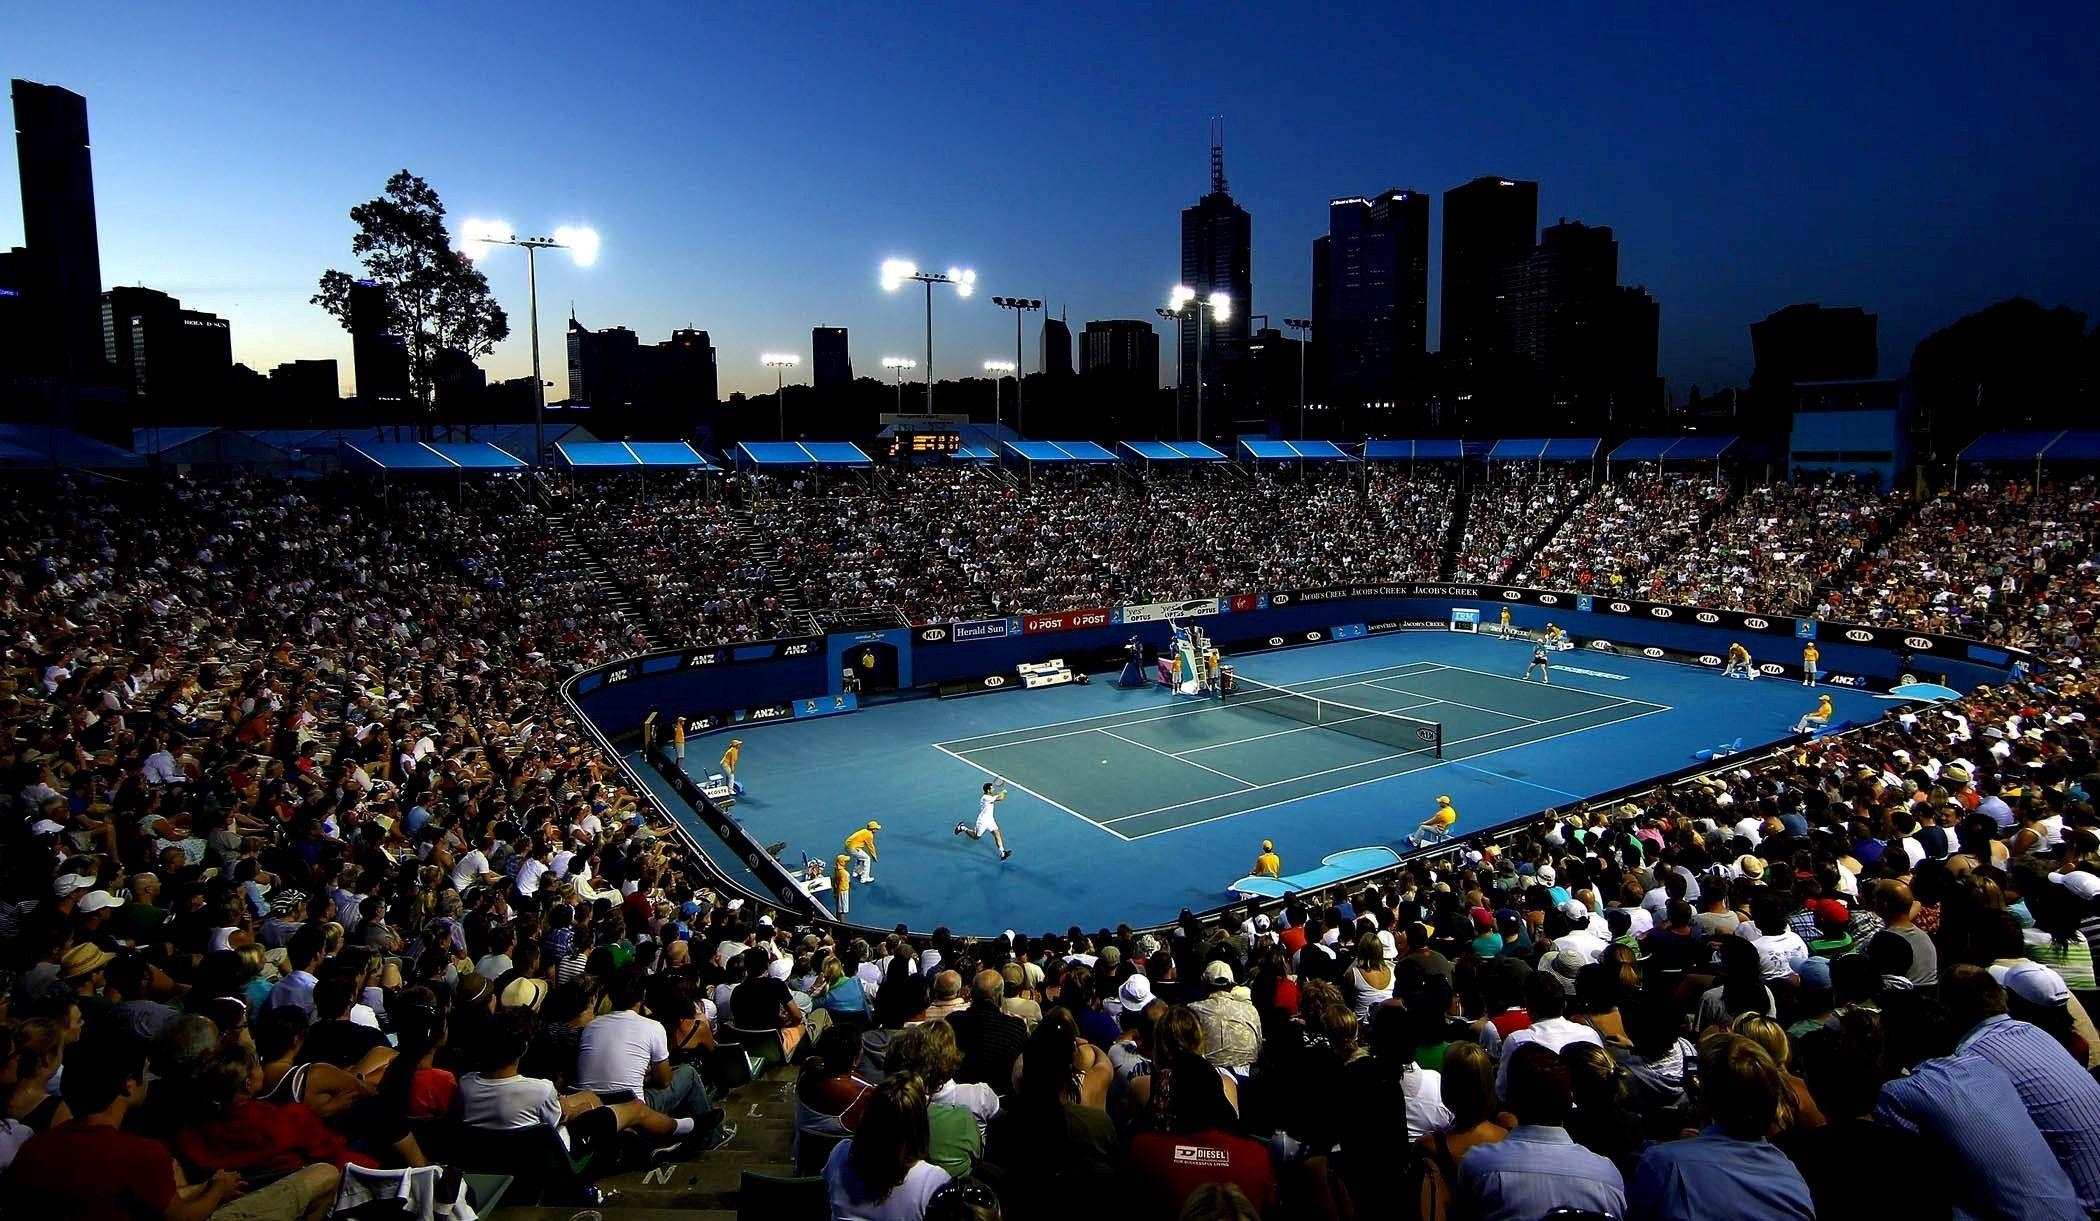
x,y
1622,529
307,873
1509,515
680,554
1778,547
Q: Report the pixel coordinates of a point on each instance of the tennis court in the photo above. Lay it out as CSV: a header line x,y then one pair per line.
x,y
1150,771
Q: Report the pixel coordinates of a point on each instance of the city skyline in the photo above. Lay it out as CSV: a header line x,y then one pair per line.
x,y
1916,171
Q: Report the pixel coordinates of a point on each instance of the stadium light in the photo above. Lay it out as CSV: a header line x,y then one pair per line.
x,y
895,272
780,363
999,369
478,238
1179,303
1020,306
900,364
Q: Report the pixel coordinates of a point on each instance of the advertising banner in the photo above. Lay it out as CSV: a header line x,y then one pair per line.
x,y
1158,612
1064,621
980,629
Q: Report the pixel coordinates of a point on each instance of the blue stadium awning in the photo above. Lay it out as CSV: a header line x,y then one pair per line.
x,y
1293,451
2082,445
604,454
798,453
396,456
1572,449
974,453
1173,451
476,456
1059,451
1531,448
1700,448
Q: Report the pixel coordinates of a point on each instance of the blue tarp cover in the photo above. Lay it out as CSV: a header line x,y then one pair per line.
x,y
1511,450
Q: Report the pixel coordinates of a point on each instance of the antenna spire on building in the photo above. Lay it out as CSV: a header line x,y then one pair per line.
x,y
1217,155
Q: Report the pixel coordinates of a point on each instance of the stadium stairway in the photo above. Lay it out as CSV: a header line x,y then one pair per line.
x,y
1455,532
760,547
1538,543
614,593
705,1188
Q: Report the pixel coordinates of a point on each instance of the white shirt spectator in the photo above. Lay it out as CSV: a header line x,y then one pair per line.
x,y
977,1099
160,768
616,1051
530,871
510,1103
1780,953
467,870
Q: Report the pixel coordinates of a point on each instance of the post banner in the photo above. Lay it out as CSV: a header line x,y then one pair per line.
x,y
1065,621
1158,612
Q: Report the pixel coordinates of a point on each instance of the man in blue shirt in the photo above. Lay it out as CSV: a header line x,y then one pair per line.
x,y
1538,1167
1993,1158
1730,1169
2060,1096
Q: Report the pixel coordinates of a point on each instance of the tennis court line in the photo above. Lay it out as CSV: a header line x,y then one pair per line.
x,y
1177,758
1136,716
1055,805
1514,716
1465,766
1565,687
1368,762
1300,729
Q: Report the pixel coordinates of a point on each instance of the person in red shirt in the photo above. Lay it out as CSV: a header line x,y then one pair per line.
x,y
246,1135
90,1169
1194,1139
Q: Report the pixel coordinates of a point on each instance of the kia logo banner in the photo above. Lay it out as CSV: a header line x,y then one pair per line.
x,y
1756,624
933,634
1916,642
1707,617
1275,642
1709,660
1621,608
1860,634
1549,599
995,680
1651,652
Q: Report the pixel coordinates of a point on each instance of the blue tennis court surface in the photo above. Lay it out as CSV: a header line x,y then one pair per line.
x,y
1129,805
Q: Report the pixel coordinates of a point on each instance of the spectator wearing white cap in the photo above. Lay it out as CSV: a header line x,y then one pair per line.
x,y
1231,1024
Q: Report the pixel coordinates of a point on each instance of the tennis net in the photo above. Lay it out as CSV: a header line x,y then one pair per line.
x,y
1409,735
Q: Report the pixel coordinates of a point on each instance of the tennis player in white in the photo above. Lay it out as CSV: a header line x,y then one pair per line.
x,y
987,820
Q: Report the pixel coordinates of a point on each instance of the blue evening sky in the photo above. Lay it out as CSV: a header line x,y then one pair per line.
x,y
749,166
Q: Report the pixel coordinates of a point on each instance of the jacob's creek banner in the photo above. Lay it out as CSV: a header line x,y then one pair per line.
x,y
1894,640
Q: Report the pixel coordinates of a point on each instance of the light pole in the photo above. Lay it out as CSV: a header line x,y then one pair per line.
x,y
780,363
998,369
1304,328
896,271
1020,306
900,364
1178,319
478,237
1219,307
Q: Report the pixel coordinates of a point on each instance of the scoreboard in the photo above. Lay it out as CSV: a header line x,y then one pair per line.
x,y
908,444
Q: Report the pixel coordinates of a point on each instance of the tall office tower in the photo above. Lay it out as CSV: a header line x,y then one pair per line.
x,y
1372,315
1055,357
378,357
1489,224
1217,255
64,272
831,367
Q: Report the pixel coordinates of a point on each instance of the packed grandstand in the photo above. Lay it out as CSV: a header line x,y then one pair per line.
x,y
298,829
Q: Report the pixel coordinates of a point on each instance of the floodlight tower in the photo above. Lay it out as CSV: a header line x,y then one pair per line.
x,y
1020,306
896,271
478,237
780,363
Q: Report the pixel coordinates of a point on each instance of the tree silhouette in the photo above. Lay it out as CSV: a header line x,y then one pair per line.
x,y
436,297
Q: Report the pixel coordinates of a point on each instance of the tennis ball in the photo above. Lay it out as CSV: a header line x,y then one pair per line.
x,y
1104,763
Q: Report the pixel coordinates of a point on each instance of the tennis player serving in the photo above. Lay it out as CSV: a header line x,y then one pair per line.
x,y
987,820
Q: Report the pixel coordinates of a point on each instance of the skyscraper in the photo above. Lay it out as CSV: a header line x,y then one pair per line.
x,y
64,280
831,367
1055,358
1217,256
1372,317
1547,301
666,389
1119,383
125,310
1489,224
1809,343
378,357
